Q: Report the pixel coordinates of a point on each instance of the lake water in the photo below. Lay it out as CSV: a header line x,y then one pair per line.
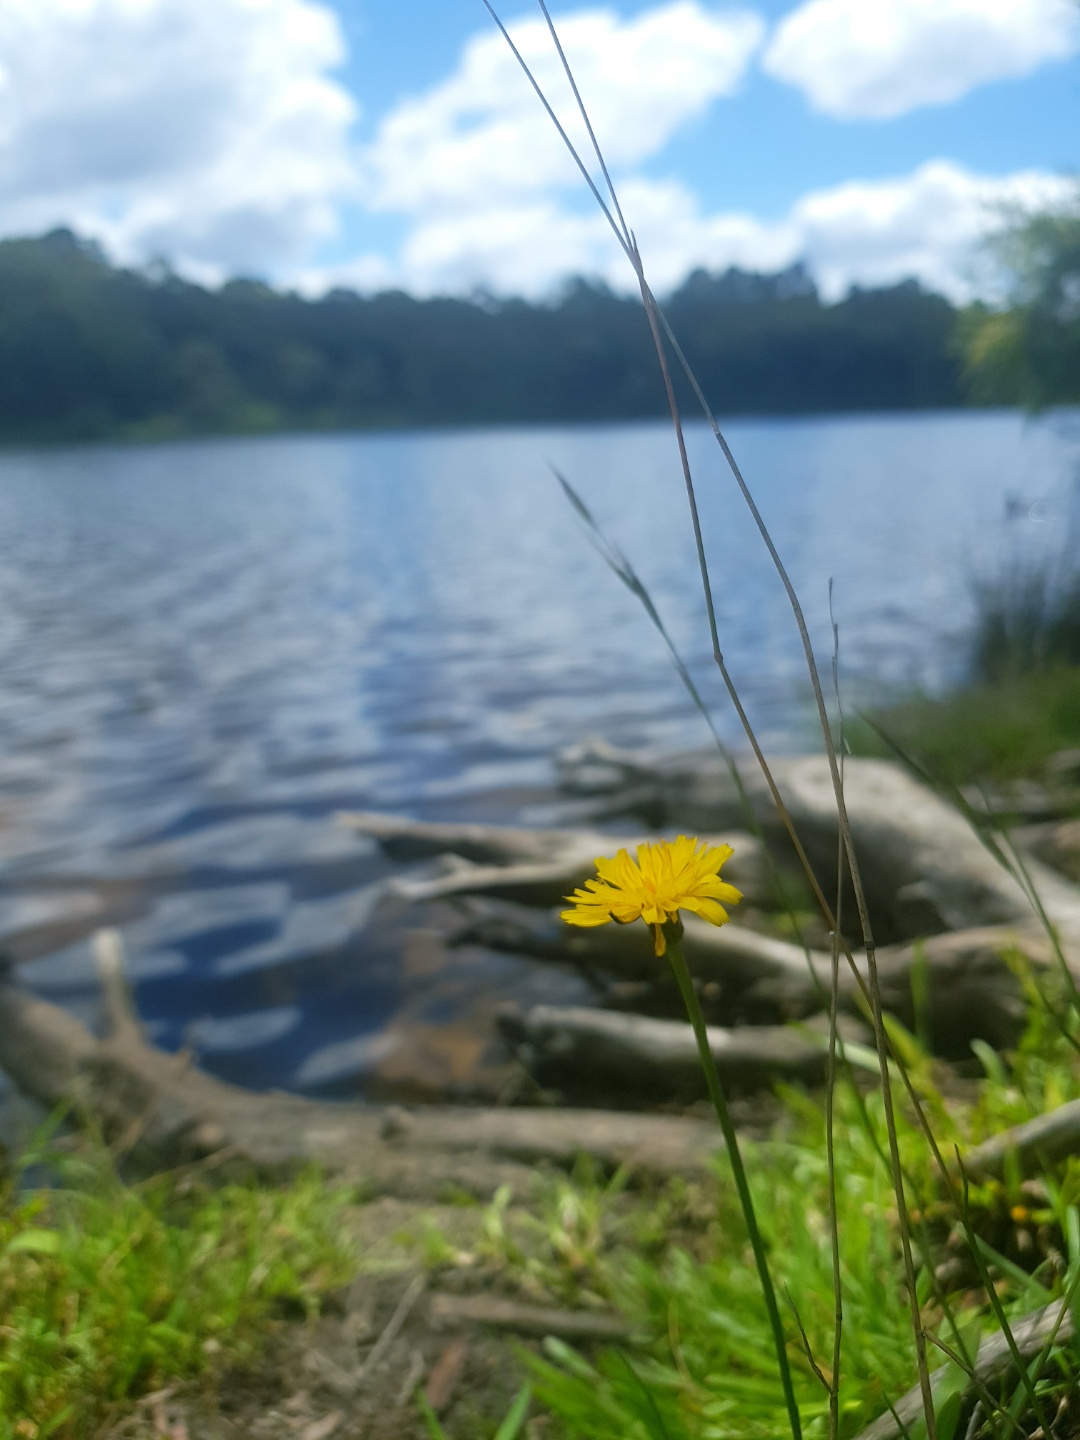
x,y
206,649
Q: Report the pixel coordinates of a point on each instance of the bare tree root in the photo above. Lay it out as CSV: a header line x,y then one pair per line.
x,y
994,1361
168,1112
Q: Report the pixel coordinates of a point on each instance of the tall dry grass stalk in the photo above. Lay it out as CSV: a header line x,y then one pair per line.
x,y
667,347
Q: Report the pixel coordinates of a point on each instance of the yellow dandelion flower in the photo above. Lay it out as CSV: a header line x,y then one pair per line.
x,y
667,876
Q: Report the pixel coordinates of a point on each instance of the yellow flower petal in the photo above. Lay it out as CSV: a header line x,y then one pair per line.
x,y
664,877
719,890
584,918
708,910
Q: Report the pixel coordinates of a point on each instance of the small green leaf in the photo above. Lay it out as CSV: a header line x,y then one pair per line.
x,y
990,1060
431,1420
515,1416
34,1242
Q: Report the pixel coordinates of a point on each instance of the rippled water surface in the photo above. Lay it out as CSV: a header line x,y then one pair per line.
x,y
207,649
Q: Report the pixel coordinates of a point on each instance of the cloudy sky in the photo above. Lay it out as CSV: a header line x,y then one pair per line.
x,y
396,142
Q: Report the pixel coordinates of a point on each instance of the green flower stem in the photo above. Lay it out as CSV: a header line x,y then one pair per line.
x,y
673,934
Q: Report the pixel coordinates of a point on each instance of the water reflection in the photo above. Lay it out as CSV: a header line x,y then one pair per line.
x,y
206,649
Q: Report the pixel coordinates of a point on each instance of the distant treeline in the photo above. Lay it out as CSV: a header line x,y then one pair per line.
x,y
88,350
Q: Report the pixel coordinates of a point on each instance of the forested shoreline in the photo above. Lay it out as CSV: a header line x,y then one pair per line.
x,y
92,351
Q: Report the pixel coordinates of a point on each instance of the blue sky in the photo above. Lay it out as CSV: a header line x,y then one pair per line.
x,y
320,142
765,146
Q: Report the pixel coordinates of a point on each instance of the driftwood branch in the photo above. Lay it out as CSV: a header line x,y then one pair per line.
x,y
452,1312
1038,1143
536,867
404,839
924,868
117,1001
926,871
971,991
732,955
531,884
600,1052
993,1361
179,1113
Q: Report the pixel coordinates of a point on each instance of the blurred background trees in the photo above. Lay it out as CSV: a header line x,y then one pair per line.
x,y
1029,353
89,351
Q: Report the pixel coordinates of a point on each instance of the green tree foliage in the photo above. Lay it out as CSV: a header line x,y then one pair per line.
x,y
1029,354
88,350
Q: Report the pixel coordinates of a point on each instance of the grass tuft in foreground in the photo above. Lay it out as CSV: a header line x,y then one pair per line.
x,y
108,1291
1020,703
703,1365
990,731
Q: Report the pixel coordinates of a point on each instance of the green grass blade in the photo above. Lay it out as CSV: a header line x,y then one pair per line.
x,y
431,1420
516,1415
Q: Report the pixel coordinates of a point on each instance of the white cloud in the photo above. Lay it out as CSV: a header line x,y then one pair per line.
x,y
528,246
874,59
204,130
491,199
926,224
213,132
481,136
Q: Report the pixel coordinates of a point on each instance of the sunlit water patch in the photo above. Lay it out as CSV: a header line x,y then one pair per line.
x,y
208,649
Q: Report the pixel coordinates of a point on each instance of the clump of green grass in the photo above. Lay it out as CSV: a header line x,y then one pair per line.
x,y
988,731
705,1368
509,1428
557,1249
109,1291
1020,701
1027,621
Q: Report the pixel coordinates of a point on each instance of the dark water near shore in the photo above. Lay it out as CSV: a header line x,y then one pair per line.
x,y
207,649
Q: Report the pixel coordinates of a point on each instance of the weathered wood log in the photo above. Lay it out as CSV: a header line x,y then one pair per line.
x,y
1044,1141
544,884
404,839
1056,843
924,868
993,1361
594,767
971,993
174,1112
453,1312
603,1053
731,955
1024,801
926,872
537,867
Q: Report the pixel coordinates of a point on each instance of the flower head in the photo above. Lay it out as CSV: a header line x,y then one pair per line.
x,y
667,876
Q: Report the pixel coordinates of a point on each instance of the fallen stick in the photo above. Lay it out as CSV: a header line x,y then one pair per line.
x,y
971,993
731,955
924,868
993,1361
531,884
576,1049
927,870
1041,1142
537,867
404,839
182,1114
662,1144
458,1311
393,1328
444,1377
